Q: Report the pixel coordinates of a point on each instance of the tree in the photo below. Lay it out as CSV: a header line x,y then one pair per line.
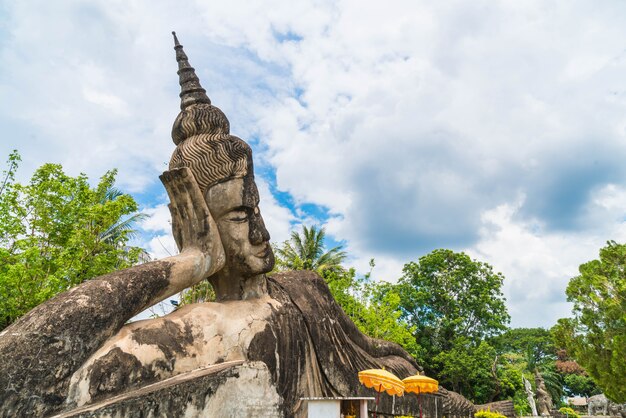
x,y
596,335
373,306
56,232
537,352
447,295
200,292
580,385
576,380
466,369
455,304
535,343
306,252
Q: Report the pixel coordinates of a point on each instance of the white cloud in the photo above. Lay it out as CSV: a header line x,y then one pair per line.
x,y
159,219
161,246
537,264
278,219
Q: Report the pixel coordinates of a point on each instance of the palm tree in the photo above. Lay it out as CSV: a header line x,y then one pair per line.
x,y
305,251
123,227
117,233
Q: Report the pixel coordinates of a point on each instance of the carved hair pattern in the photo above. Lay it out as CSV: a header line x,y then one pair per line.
x,y
199,119
213,158
201,133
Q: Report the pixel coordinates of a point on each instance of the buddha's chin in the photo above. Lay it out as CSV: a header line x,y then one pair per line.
x,y
261,263
267,261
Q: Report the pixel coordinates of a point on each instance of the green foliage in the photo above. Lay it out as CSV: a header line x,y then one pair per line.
x,y
488,414
447,295
537,345
569,412
580,385
374,307
56,232
596,335
509,376
306,252
200,292
467,368
520,403
455,305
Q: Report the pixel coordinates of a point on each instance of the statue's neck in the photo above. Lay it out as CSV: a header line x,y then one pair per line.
x,y
228,287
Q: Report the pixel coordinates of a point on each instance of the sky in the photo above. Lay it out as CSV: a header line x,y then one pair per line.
x,y
497,128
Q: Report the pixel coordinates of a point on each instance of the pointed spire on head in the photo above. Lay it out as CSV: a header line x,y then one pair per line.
x,y
191,92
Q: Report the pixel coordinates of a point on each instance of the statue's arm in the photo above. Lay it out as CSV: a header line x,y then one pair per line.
x,y
41,350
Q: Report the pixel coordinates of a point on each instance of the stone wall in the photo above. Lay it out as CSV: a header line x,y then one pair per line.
x,y
505,408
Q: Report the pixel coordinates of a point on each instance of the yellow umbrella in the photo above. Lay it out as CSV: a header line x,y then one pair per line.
x,y
420,384
381,381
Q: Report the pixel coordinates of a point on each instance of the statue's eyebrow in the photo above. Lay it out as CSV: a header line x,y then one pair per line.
x,y
242,208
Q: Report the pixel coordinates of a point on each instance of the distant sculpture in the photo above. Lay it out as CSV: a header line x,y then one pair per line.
x,y
597,405
74,351
544,400
617,410
529,395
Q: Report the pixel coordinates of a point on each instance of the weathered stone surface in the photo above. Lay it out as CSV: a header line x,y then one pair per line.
x,y
192,337
317,338
39,352
230,389
505,408
597,405
544,400
310,347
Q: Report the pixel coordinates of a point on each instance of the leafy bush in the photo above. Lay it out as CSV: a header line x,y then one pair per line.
x,y
569,412
488,414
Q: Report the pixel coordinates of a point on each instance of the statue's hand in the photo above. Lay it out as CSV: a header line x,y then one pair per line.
x,y
192,224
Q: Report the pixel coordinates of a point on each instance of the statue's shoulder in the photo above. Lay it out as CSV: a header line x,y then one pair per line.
x,y
290,275
299,283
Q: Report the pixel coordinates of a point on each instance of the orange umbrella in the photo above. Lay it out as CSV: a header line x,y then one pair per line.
x,y
420,384
381,381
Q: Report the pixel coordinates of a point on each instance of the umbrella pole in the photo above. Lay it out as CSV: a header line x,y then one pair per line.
x,y
419,401
377,398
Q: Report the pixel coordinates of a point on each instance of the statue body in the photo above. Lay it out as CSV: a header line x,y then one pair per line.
x,y
75,350
544,400
529,395
597,404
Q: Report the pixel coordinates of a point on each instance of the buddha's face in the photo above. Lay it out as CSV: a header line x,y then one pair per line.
x,y
234,206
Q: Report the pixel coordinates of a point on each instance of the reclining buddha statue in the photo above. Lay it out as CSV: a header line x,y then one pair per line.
x,y
76,355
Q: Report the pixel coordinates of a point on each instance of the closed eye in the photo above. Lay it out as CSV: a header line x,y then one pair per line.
x,y
239,214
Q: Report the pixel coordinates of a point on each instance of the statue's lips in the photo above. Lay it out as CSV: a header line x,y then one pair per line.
x,y
264,252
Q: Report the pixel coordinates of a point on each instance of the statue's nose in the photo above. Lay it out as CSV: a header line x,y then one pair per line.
x,y
258,233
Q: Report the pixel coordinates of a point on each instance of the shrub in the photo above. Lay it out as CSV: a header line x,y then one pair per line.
x,y
488,414
569,412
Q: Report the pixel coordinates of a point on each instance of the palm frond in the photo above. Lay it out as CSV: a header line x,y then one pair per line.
x,y
305,251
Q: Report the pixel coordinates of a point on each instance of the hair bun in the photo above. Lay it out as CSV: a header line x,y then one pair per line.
x,y
199,119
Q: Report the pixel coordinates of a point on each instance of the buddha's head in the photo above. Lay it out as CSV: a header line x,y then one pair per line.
x,y
222,166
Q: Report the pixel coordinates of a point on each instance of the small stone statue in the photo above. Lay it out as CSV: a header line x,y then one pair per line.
x,y
529,395
544,400
597,405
